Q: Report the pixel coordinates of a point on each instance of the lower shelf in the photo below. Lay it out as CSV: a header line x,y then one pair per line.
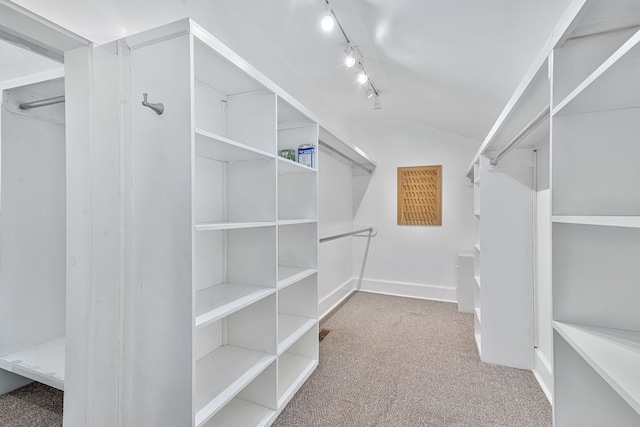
x,y
221,375
291,328
293,371
241,413
614,354
43,363
290,275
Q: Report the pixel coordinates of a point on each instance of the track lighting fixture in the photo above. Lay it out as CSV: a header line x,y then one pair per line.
x,y
350,60
328,22
353,57
362,76
376,103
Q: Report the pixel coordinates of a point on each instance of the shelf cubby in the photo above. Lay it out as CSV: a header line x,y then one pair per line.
x,y
230,353
595,377
255,405
297,192
591,266
295,129
296,365
42,362
232,104
290,275
297,249
297,312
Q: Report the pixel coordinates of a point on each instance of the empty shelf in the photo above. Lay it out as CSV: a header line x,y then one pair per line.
x,y
43,363
221,374
240,413
289,166
221,300
297,221
293,371
290,275
611,221
291,328
217,147
613,353
213,226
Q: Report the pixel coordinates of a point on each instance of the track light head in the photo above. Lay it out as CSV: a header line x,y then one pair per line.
x,y
328,22
362,77
350,59
369,91
376,103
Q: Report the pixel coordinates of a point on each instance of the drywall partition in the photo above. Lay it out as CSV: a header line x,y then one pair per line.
x,y
415,261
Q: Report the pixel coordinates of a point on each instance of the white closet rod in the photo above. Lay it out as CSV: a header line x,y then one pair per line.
x,y
344,156
41,103
351,233
530,127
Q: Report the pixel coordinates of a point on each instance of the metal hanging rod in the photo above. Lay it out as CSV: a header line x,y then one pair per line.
x,y
530,127
41,103
351,233
344,156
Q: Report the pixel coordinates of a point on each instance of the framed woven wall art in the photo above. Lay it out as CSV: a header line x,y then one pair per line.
x,y
420,195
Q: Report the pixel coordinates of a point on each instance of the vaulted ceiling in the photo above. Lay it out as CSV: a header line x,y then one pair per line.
x,y
449,64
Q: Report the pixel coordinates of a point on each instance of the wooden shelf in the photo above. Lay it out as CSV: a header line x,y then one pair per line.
x,y
606,88
613,353
219,148
290,275
291,328
222,374
44,363
610,221
289,166
239,412
214,226
297,221
293,370
221,300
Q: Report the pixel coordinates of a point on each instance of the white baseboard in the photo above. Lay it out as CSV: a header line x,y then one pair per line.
x,y
544,374
336,296
411,290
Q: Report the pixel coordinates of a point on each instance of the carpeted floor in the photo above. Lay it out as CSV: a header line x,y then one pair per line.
x,y
392,362
387,362
35,405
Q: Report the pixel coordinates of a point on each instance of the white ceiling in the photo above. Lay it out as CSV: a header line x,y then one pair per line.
x,y
449,64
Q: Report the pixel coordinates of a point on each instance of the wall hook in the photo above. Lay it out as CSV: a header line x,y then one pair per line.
x,y
158,108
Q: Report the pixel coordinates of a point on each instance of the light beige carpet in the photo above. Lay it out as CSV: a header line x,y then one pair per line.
x,y
392,361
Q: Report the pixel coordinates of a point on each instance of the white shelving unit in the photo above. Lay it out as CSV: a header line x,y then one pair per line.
x,y
596,218
33,223
224,232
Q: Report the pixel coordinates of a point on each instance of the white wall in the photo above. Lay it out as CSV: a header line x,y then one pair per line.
x,y
412,260
543,318
335,217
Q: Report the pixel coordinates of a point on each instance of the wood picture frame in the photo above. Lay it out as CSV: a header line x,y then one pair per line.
x,y
420,195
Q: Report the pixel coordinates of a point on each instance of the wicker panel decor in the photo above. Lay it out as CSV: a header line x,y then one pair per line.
x,y
420,195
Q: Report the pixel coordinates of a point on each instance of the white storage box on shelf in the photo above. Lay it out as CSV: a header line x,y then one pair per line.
x,y
225,245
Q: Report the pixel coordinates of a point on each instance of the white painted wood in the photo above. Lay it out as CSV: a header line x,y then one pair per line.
x,y
407,289
506,261
613,353
251,256
293,371
251,119
465,282
255,327
333,300
222,374
582,396
43,363
239,412
220,148
287,166
217,226
292,328
220,300
611,221
297,195
289,275
42,76
297,245
610,86
593,269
